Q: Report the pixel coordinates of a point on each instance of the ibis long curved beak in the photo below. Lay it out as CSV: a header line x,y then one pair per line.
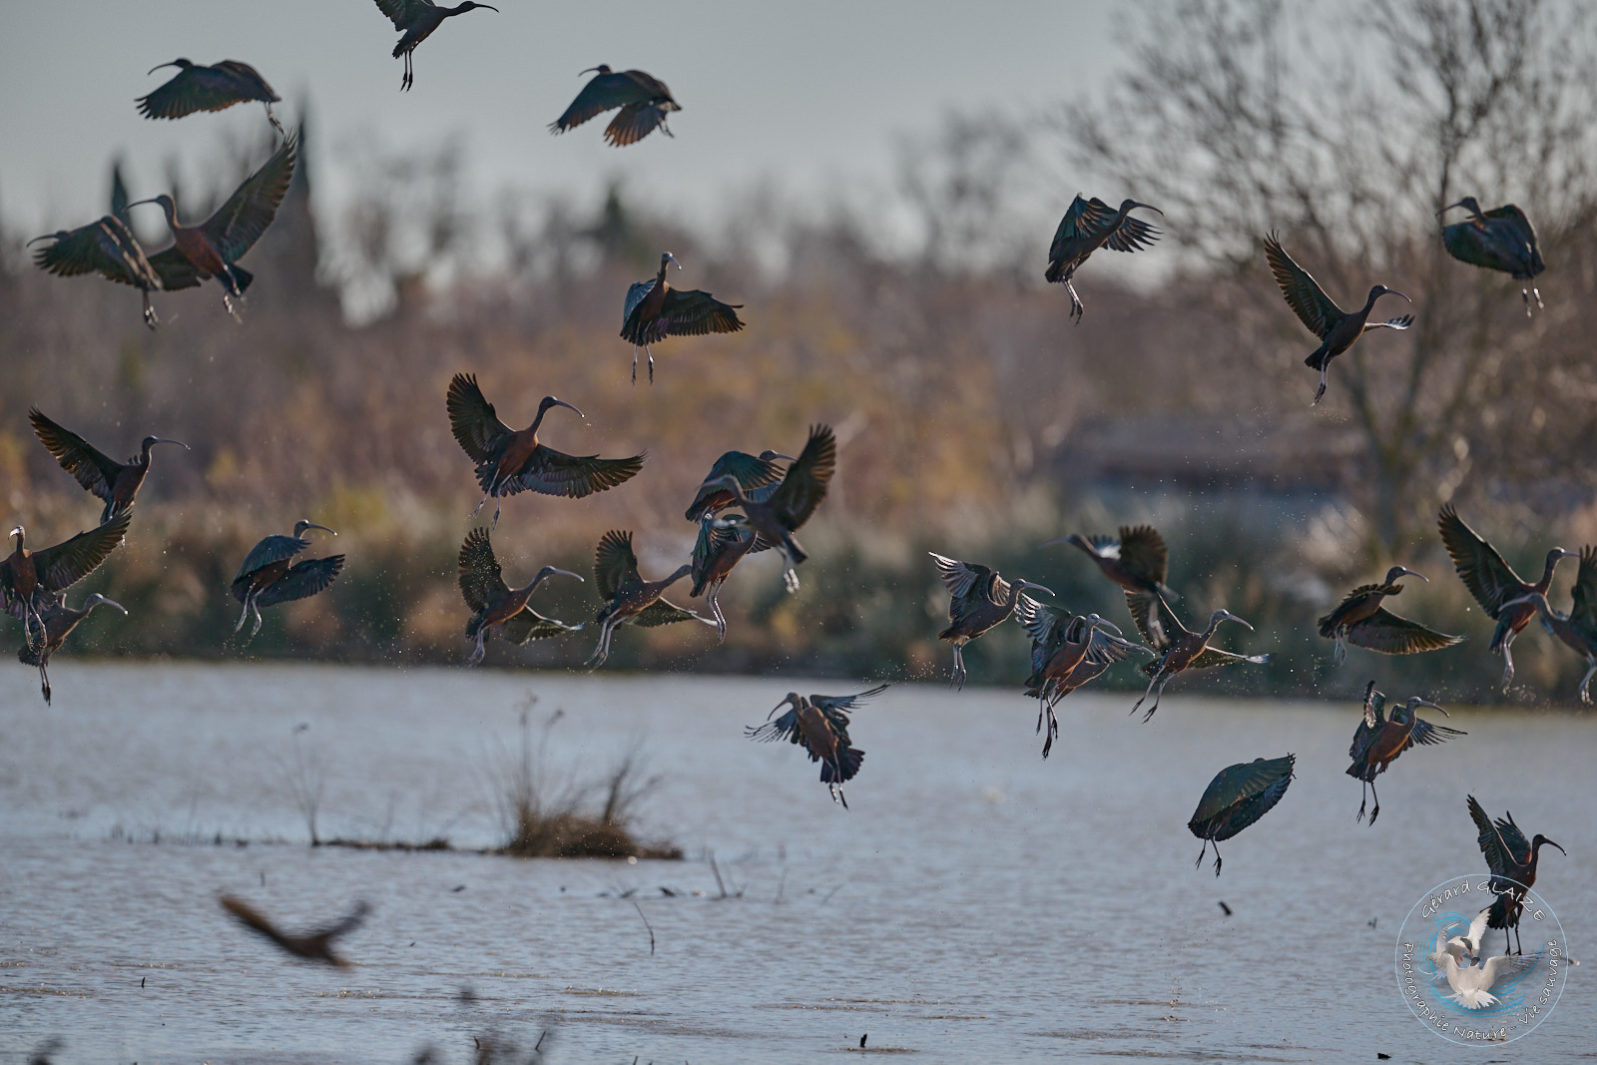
x,y
569,406
1550,843
1433,706
313,525
1232,617
169,440
1415,573
1450,206
35,240
550,571
767,456
158,66
1149,206
111,602
1395,292
135,203
1034,584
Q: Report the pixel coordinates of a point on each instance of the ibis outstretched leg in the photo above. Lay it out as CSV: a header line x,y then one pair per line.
x,y
1508,661
244,614
712,595
1375,811
1585,683
1339,655
602,652
478,651
1160,678
1364,798
958,677
1319,393
1204,850
275,123
44,681
1077,309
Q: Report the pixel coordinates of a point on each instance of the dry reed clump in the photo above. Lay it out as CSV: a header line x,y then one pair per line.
x,y
543,816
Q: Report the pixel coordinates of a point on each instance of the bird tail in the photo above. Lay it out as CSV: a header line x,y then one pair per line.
x,y
1055,273
1325,627
794,552
848,763
1316,361
241,279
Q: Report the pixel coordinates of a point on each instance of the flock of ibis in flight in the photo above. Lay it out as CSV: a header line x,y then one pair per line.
x,y
749,503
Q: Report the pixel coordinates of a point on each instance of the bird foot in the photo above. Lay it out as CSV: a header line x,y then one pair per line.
x,y
1374,813
790,580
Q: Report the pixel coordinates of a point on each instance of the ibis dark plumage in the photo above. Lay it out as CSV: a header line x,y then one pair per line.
x,y
1512,860
628,598
59,620
266,578
750,472
1578,628
779,515
1087,226
213,88
979,600
107,248
312,946
1500,239
1336,328
644,100
1137,560
1237,797
115,482
1178,647
1361,619
416,20
654,310
214,247
512,460
30,581
1495,586
1066,652
1379,740
496,607
819,724
722,542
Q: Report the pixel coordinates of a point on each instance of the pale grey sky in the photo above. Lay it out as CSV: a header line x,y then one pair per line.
x,y
814,95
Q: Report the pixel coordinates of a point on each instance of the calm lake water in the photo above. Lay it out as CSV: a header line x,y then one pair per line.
x,y
975,904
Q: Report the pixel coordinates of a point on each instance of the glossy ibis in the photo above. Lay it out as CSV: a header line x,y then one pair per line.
x,y
512,460
722,542
1578,628
1336,328
1379,740
819,724
416,20
59,621
1238,796
980,599
214,247
213,88
1087,226
1500,239
644,100
1066,652
628,598
107,248
1512,861
115,482
1177,647
265,577
1137,560
312,946
777,516
654,310
1493,584
496,607
750,471
1360,618
31,580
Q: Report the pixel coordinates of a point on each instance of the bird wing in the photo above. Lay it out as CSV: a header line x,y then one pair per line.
x,y
1470,243
804,486
344,925
750,471
93,469
270,549
694,312
1143,551
634,122
664,612
834,704
528,624
173,270
106,247
635,295
614,562
784,727
1424,734
249,916
1510,220
481,581
1041,621
1583,613
471,418
602,93
1402,321
1392,634
1211,657
1303,294
68,562
1083,219
1488,578
1169,625
1105,648
1496,846
205,89
1239,795
1132,234
302,579
959,577
403,12
555,473
239,223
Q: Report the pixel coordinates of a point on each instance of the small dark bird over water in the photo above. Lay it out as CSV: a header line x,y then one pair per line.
x,y
107,248
213,88
313,946
1495,586
1179,648
1137,560
1378,741
1500,239
644,100
32,581
265,577
1336,328
819,724
654,310
1578,628
1087,226
750,472
214,247
512,460
115,482
415,20
1512,861
628,598
980,600
1361,619
1237,797
778,515
496,607
59,621
1066,652
723,541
